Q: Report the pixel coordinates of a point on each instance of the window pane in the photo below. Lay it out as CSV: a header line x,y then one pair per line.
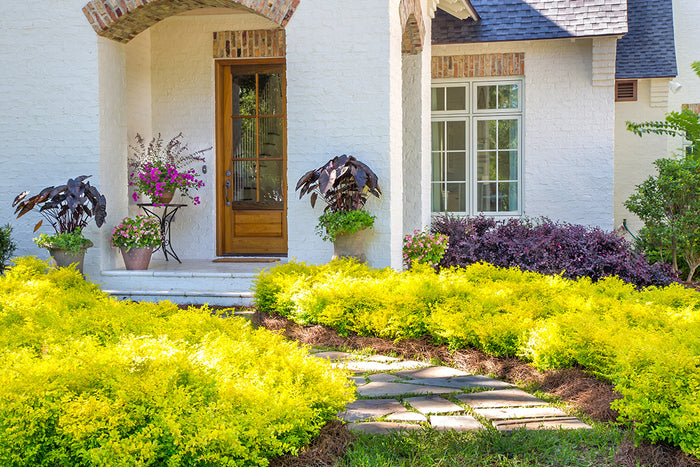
x,y
271,137
438,164
457,166
270,94
456,136
438,199
507,134
456,197
438,136
486,131
244,181
486,97
486,197
271,195
486,166
244,95
456,98
437,101
508,96
507,196
508,165
244,139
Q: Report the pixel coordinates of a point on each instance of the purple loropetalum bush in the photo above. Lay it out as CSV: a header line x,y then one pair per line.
x,y
541,245
424,248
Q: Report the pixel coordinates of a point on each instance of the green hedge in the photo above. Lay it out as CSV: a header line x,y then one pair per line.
x,y
647,343
87,380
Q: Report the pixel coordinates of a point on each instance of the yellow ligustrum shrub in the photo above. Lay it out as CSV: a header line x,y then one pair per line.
x,y
87,380
646,342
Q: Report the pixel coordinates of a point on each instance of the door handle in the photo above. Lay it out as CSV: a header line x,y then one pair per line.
x,y
227,185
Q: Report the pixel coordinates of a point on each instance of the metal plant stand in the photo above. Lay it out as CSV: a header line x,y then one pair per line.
x,y
165,219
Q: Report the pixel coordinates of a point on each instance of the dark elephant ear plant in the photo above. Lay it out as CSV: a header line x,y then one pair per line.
x,y
68,208
344,183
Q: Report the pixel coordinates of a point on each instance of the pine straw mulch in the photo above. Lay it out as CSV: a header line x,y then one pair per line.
x,y
579,389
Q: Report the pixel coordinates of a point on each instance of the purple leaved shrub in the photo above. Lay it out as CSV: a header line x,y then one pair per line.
x,y
547,247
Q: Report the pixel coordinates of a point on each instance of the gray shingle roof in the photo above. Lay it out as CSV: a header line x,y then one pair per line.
x,y
648,50
514,20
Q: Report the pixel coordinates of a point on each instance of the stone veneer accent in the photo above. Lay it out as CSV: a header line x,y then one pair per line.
x,y
474,66
122,20
694,107
260,43
411,16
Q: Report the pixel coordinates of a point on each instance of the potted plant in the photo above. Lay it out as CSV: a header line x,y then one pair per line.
x,y
158,169
136,237
344,183
68,208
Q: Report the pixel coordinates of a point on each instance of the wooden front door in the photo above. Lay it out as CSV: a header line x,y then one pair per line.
x,y
251,158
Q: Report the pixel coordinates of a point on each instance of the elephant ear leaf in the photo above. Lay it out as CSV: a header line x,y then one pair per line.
x,y
314,197
38,224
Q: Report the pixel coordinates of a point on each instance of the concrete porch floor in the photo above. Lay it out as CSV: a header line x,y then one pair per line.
x,y
190,282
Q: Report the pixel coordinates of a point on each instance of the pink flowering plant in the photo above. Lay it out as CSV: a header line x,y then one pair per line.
x,y
137,232
159,167
424,248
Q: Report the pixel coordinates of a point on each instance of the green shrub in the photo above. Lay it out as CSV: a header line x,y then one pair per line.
x,y
646,342
7,246
88,380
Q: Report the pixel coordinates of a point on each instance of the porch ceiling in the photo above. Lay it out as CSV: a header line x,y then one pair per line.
x,y
122,20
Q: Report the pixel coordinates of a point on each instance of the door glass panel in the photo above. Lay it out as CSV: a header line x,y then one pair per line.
x,y
438,199
271,186
507,196
486,166
437,99
456,136
508,165
456,98
271,102
456,197
271,137
507,134
438,167
244,143
438,136
486,197
486,134
244,95
457,166
244,181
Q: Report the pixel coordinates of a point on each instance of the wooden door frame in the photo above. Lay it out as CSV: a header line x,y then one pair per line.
x,y
219,72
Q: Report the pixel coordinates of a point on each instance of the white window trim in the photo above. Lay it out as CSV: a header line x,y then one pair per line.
x,y
472,115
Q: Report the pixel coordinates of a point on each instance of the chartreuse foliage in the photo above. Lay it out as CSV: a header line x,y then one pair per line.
x,y
646,342
87,380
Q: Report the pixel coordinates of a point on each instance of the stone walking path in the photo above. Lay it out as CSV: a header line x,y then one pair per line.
x,y
395,394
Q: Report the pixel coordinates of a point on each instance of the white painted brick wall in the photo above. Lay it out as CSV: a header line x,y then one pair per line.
x,y
48,106
569,130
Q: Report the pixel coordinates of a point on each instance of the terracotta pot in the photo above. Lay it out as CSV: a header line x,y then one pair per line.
x,y
351,246
165,199
64,258
138,258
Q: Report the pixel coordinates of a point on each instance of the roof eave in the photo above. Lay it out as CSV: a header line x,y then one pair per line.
x,y
462,9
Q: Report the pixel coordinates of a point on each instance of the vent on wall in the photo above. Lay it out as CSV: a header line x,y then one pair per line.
x,y
625,91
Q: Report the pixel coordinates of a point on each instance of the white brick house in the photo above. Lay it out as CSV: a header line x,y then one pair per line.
x,y
505,108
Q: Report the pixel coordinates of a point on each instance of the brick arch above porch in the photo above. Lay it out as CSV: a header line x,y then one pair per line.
x,y
413,28
122,20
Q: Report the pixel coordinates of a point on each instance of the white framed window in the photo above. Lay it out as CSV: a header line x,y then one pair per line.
x,y
477,147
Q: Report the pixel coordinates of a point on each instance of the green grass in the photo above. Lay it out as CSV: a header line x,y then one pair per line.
x,y
432,448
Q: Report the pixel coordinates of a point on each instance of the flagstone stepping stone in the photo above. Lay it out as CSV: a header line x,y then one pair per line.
x,y
433,404
333,356
500,398
431,372
383,389
359,380
406,417
455,422
384,377
382,359
408,365
382,428
565,423
520,412
459,382
362,366
370,408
